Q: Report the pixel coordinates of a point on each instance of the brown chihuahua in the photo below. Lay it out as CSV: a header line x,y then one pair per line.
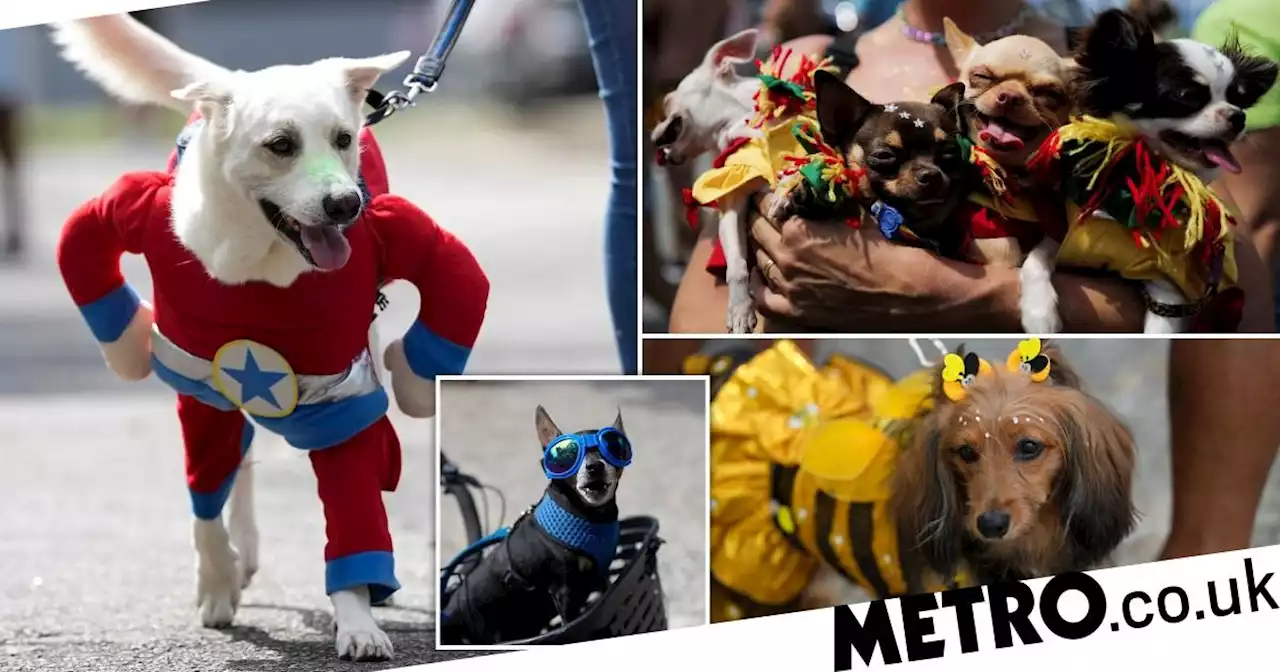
x,y
1017,90
908,149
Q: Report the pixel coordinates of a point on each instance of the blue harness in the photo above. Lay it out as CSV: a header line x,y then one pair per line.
x,y
598,540
190,130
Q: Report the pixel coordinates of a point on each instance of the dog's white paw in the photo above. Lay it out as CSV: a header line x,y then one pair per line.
x,y
358,636
129,356
217,575
242,528
415,395
741,318
780,209
1039,300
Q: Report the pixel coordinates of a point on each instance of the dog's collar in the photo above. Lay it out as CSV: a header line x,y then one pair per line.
x,y
598,540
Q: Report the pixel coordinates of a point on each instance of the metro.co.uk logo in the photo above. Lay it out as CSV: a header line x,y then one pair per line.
x,y
1009,607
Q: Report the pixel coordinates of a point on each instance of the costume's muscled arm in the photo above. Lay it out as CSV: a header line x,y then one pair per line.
x,y
89,250
454,292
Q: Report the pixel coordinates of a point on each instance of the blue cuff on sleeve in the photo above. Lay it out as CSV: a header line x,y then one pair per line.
x,y
109,316
431,355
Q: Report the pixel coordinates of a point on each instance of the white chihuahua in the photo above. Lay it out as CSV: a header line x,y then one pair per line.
x,y
709,109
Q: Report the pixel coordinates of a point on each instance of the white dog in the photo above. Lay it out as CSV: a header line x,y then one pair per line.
x,y
709,109
278,141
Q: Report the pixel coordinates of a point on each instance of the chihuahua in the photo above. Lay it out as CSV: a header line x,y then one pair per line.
x,y
557,554
1016,92
710,109
1186,98
909,150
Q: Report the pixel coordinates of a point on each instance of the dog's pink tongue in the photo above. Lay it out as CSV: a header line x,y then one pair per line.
x,y
329,249
1222,157
1000,136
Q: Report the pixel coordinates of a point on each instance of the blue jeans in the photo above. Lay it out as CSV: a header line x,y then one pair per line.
x,y
611,30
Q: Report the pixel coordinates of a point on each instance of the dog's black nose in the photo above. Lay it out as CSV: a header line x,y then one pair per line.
x,y
1235,119
993,524
595,469
928,176
344,208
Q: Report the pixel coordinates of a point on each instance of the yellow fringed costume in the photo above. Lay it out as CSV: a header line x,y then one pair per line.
x,y
784,120
1164,222
801,462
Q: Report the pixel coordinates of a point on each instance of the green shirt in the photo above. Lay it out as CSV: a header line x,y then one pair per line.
x,y
1257,22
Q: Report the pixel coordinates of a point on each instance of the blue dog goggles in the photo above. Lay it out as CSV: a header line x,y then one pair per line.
x,y
563,456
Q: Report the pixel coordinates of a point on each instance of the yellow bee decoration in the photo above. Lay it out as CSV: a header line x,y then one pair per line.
x,y
960,372
1029,359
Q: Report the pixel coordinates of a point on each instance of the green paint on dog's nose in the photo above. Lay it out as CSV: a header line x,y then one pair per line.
x,y
324,168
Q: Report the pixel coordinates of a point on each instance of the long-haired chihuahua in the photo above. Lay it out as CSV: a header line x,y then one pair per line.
x,y
1017,472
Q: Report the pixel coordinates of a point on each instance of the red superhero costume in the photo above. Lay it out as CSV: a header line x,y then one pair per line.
x,y
296,359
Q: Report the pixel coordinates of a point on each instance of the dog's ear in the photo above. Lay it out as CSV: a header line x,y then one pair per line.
x,y
739,48
840,109
1255,75
617,422
927,502
1094,490
212,99
1060,370
360,74
547,429
1114,61
950,97
959,43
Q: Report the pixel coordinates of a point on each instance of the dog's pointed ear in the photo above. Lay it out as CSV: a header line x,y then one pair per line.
x,y
737,48
211,98
546,427
617,422
1255,75
949,97
362,73
1115,34
959,43
840,109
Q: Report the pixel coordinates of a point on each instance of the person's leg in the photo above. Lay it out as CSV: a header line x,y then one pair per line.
x,y
14,216
1225,432
611,28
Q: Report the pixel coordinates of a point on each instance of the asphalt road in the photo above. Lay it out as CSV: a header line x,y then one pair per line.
x,y
96,571
487,429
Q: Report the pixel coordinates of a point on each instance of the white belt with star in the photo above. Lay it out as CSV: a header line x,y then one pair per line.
x,y
259,380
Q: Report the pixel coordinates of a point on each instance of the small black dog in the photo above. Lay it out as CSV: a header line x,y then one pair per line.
x,y
908,149
557,553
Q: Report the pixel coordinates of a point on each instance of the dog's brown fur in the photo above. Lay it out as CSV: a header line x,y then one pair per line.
x,y
910,167
1069,506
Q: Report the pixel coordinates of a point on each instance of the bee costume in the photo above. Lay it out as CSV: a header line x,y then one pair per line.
x,y
801,460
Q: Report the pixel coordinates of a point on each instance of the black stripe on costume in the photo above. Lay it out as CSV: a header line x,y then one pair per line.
x,y
781,485
860,524
824,515
912,568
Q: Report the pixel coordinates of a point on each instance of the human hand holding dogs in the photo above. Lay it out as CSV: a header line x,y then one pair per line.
x,y
829,276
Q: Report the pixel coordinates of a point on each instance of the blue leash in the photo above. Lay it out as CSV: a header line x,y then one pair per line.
x,y
426,73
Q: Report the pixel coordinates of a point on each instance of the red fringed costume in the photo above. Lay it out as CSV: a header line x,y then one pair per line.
x,y
296,359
